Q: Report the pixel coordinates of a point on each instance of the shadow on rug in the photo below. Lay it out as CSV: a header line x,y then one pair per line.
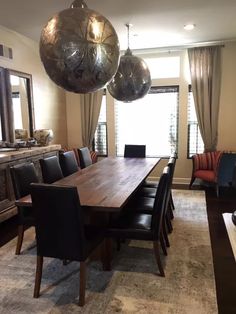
x,y
133,285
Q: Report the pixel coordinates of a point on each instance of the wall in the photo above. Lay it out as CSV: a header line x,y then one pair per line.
x,y
227,125
49,100
227,116
74,120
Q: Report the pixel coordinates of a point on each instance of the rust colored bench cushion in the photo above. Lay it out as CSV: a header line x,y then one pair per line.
x,y
205,165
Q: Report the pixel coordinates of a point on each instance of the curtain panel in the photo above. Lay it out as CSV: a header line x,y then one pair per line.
x,y
90,109
205,69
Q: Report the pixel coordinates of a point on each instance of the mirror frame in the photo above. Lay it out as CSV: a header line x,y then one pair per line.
x,y
3,106
6,105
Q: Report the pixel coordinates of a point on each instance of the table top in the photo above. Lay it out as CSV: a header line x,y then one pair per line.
x,y
108,184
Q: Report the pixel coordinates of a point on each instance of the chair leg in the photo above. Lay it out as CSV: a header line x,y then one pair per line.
x,y
108,250
38,276
191,182
163,244
172,205
217,190
82,284
19,239
170,211
118,244
164,232
158,257
168,222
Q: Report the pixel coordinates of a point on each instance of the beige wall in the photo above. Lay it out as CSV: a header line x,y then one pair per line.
x,y
49,100
227,118
74,120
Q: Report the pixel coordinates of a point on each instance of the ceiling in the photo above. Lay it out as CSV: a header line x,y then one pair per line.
x,y
156,23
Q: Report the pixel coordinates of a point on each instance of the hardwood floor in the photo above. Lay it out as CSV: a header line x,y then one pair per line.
x,y
223,259
224,262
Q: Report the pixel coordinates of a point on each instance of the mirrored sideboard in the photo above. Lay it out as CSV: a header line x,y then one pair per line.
x,y
11,158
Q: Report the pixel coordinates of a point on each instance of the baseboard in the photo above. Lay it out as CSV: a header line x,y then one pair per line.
x,y
182,181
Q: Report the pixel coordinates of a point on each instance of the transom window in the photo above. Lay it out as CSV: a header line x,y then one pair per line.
x,y
163,67
152,120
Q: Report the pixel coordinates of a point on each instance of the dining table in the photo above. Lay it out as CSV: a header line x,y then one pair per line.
x,y
108,184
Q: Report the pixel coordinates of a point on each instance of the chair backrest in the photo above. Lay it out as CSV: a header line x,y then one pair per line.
x,y
226,168
85,157
51,169
206,161
160,203
68,163
135,151
59,221
234,177
171,164
22,175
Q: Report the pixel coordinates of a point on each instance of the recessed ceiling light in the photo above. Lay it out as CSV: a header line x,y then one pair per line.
x,y
189,27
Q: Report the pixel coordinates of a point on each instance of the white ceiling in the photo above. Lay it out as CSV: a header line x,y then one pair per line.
x,y
156,23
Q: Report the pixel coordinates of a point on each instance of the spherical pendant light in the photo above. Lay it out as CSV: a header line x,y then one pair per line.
x,y
132,80
79,49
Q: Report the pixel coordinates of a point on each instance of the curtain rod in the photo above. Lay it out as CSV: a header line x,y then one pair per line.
x,y
220,43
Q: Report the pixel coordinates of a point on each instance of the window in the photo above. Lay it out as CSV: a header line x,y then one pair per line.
x,y
100,137
195,143
164,67
152,120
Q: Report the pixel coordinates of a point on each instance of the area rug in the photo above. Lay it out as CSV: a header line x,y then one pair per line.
x,y
133,285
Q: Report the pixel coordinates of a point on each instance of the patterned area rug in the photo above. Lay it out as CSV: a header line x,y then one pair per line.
x,y
133,285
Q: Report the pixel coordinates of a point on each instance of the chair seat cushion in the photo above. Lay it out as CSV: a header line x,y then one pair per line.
x,y
206,175
149,192
140,205
131,225
150,184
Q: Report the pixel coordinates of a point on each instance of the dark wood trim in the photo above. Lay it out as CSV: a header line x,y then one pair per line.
x,y
3,106
10,114
6,105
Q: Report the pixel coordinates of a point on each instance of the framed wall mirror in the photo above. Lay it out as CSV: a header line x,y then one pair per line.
x,y
17,110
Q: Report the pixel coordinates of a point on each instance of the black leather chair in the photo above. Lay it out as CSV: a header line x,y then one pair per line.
x,y
150,190
149,194
141,226
135,151
68,163
51,169
60,230
84,157
22,175
152,184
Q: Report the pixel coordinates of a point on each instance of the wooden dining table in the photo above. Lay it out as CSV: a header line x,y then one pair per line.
x,y
108,184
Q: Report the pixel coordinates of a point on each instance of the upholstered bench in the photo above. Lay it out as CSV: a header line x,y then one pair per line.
x,y
216,167
205,167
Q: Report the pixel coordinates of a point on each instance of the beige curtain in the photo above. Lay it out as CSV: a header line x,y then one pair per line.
x,y
90,109
205,69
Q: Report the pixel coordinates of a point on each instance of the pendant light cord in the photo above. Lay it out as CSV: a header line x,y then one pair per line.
x,y
128,26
